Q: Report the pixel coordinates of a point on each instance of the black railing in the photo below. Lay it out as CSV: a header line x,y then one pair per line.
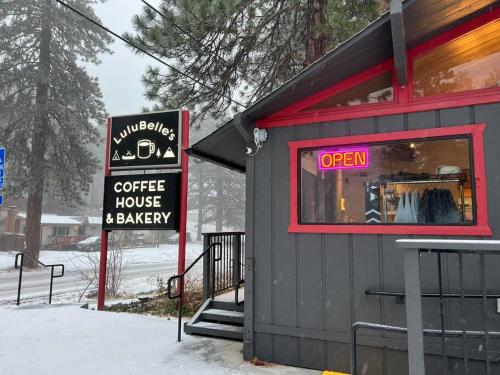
x,y
400,296
20,267
209,251
460,306
229,272
427,332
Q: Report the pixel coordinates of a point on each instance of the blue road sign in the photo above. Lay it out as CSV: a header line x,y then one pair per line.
x,y
2,166
1,200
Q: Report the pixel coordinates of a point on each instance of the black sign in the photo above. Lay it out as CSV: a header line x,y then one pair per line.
x,y
148,140
146,201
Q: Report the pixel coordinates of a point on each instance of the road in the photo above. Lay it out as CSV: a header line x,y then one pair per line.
x,y
36,283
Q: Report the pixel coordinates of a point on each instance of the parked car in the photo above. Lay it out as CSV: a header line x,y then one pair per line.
x,y
174,238
90,244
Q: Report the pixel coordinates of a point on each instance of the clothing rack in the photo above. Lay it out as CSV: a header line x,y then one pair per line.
x,y
423,181
461,180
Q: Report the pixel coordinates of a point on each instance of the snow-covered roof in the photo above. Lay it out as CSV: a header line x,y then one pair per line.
x,y
53,219
94,220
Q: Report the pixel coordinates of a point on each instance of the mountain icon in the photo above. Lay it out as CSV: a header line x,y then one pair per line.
x,y
169,154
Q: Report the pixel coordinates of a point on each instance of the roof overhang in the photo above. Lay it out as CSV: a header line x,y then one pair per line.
x,y
407,25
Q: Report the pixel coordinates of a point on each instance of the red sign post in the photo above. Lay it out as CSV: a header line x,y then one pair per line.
x,y
182,206
184,193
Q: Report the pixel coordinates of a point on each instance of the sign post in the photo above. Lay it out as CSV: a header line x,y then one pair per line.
x,y
101,292
184,194
156,140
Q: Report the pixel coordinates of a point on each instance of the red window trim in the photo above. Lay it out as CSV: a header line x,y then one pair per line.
x,y
385,67
481,228
404,102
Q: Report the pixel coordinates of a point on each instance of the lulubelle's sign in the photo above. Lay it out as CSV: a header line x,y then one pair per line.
x,y
146,201
343,159
147,140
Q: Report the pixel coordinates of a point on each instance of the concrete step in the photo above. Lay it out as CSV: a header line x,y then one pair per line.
x,y
230,306
227,316
215,330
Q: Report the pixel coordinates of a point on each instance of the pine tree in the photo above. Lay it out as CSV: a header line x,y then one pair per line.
x,y
240,49
50,106
219,196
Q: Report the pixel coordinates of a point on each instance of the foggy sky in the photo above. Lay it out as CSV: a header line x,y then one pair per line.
x,y
120,74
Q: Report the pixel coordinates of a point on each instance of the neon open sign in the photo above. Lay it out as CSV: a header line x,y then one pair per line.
x,y
343,159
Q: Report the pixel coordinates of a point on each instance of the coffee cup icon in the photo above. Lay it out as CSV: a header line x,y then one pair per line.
x,y
145,148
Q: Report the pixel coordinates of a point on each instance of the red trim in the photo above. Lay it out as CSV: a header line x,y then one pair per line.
x,y
101,294
387,66
184,194
369,110
480,229
454,33
393,229
403,96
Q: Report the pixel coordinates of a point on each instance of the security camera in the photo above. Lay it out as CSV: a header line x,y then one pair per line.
x,y
260,135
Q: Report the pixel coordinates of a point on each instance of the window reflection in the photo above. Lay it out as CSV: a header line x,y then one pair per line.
x,y
470,62
375,90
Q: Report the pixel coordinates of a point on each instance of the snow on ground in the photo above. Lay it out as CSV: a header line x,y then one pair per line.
x,y
73,341
142,269
78,260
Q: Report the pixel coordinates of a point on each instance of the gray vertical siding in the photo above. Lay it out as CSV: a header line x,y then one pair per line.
x,y
308,289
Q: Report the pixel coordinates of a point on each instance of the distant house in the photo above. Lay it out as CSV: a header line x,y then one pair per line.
x,y
63,232
89,225
60,231
11,238
55,229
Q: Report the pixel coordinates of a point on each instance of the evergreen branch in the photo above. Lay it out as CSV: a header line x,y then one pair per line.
x,y
140,49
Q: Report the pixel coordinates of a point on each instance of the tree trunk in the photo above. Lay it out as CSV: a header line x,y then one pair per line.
x,y
316,39
218,208
39,142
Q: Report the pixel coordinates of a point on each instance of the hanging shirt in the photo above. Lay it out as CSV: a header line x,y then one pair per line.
x,y
401,215
415,207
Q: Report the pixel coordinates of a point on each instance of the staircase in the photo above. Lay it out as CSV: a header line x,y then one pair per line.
x,y
217,319
221,315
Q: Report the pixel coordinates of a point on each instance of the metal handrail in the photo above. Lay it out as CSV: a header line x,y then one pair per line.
x,y
387,293
180,285
21,266
427,332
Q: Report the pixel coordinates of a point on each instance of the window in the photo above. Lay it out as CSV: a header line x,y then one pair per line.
x,y
60,231
411,182
469,62
375,90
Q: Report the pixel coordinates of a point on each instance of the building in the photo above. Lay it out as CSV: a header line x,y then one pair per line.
x,y
393,134
61,232
11,237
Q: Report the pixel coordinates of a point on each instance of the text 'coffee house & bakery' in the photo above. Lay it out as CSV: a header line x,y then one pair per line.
x,y
142,202
139,200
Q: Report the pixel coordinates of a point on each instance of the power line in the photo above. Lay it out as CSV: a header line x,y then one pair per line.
x,y
143,50
192,37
